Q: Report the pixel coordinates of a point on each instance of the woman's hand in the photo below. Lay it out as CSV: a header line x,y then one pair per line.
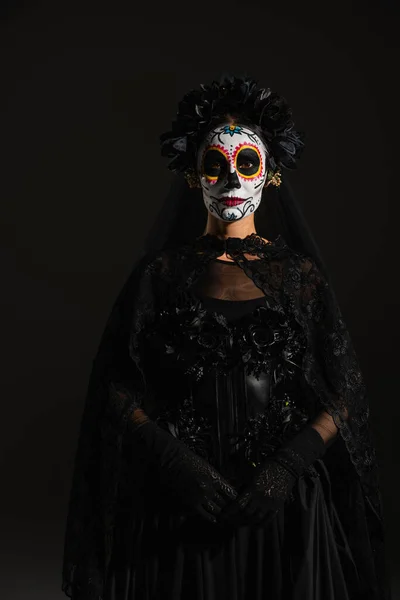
x,y
260,501
183,476
273,481
195,483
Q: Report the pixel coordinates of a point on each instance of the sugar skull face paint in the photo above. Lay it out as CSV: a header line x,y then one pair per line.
x,y
231,165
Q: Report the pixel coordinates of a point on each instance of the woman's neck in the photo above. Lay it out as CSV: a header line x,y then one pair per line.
x,y
222,229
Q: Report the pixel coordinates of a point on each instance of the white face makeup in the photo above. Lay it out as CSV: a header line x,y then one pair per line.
x,y
232,171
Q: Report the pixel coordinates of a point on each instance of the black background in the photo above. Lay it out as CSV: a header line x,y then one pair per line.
x,y
87,88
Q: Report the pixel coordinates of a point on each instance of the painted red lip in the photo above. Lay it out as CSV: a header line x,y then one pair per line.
x,y
232,201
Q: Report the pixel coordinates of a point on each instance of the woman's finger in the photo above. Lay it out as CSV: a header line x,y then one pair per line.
x,y
244,500
212,507
226,490
219,500
207,516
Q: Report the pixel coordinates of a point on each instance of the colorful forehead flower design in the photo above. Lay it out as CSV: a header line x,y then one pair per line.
x,y
232,129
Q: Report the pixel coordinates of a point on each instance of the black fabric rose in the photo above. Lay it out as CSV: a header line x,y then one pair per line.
x,y
194,338
260,336
261,108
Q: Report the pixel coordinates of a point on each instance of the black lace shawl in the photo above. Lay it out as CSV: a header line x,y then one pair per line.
x,y
118,385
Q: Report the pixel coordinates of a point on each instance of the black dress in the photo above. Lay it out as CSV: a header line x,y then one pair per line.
x,y
302,555
232,358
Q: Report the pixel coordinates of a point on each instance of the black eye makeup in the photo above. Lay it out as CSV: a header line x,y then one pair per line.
x,y
248,162
215,163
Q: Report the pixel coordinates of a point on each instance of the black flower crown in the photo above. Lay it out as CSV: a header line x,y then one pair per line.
x,y
200,109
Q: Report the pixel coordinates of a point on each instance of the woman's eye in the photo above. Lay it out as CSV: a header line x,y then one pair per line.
x,y
246,165
214,163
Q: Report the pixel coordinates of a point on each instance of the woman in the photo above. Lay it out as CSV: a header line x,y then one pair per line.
x,y
225,448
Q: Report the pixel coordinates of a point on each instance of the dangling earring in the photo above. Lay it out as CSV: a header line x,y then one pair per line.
x,y
274,178
192,178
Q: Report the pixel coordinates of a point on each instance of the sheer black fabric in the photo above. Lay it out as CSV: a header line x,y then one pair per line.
x,y
279,213
233,359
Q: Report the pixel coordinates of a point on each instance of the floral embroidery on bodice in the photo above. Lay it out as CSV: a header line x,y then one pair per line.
x,y
263,347
200,340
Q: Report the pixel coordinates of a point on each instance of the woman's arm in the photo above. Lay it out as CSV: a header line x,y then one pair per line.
x,y
139,417
326,427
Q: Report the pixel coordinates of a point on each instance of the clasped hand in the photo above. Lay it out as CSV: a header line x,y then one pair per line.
x,y
260,501
206,492
273,481
191,481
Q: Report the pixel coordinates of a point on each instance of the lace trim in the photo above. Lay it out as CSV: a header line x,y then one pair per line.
x,y
234,246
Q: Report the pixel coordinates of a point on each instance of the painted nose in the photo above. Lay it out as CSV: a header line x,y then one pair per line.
x,y
232,181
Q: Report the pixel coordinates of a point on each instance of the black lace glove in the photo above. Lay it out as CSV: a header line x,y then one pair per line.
x,y
186,478
274,479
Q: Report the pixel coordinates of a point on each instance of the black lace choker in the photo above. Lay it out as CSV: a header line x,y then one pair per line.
x,y
251,244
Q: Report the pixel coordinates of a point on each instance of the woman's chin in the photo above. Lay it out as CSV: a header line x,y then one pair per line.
x,y
230,213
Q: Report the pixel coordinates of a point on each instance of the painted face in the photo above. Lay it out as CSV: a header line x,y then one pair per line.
x,y
232,171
